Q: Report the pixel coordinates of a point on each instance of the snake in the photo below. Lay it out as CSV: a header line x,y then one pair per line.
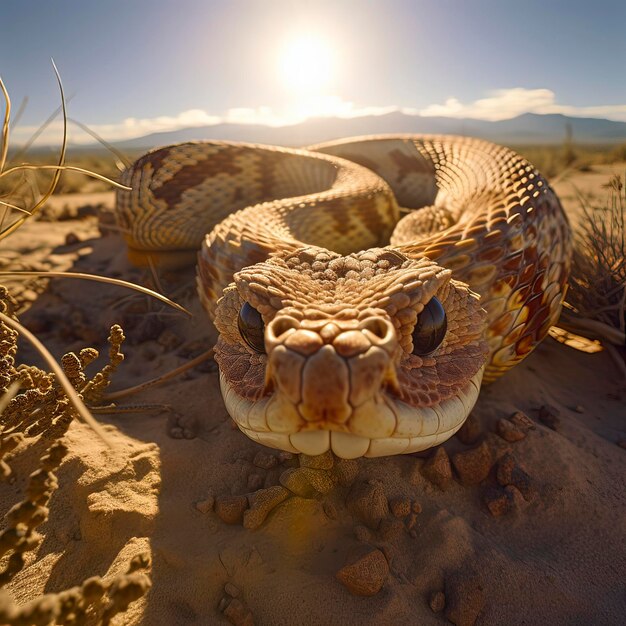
x,y
364,289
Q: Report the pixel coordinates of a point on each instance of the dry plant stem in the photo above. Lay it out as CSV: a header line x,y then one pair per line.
x,y
61,378
9,395
71,168
582,326
161,379
99,279
57,173
4,148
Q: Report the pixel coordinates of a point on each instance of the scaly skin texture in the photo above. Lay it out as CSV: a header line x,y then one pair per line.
x,y
299,235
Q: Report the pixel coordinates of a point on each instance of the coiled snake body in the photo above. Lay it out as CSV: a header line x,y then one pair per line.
x,y
342,326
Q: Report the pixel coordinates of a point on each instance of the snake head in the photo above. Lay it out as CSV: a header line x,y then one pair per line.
x,y
369,354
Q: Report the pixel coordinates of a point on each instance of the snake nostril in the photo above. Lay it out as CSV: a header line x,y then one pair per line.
x,y
280,325
378,327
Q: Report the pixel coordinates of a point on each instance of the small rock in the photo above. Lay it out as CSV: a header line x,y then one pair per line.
x,y
323,461
473,465
498,500
400,507
345,471
237,613
306,482
579,408
549,416
261,503
508,431
362,533
437,601
471,430
231,590
368,503
255,482
206,505
230,509
465,598
265,460
521,420
366,575
391,529
437,468
509,472
71,239
416,507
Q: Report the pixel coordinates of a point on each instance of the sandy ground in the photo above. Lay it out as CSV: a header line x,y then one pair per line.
x,y
549,551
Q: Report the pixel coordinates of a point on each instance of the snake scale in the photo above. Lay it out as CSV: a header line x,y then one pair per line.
x,y
362,289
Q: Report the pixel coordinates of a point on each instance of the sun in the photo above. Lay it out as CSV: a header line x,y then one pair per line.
x,y
306,63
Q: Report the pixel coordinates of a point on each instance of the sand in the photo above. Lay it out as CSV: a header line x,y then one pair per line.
x,y
550,550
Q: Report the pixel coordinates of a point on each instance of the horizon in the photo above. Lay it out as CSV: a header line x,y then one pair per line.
x,y
275,64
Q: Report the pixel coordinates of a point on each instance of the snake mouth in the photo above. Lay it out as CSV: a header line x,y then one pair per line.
x,y
415,428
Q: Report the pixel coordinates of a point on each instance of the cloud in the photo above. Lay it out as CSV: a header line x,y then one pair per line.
x,y
498,105
503,104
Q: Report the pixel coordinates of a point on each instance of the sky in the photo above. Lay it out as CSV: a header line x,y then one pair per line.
x,y
131,67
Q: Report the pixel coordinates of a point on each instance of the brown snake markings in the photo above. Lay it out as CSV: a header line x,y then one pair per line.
x,y
339,368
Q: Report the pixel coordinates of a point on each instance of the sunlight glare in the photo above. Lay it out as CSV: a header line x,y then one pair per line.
x,y
306,63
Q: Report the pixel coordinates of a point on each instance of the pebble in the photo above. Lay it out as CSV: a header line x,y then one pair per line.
x,y
237,613
363,533
71,239
416,507
231,590
366,575
391,529
521,420
509,472
471,430
549,416
465,598
284,456
400,506
345,471
206,505
499,501
323,461
437,468
508,431
368,503
264,460
437,601
473,465
255,482
230,509
261,503
306,482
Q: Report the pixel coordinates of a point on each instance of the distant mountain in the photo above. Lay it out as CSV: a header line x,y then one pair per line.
x,y
529,128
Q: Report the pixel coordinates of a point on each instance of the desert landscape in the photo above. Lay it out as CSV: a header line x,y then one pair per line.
x,y
515,520
128,494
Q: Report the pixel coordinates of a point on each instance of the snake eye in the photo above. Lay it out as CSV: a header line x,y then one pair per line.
x,y
430,328
252,327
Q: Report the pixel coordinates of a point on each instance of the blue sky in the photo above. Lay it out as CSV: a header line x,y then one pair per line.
x,y
134,66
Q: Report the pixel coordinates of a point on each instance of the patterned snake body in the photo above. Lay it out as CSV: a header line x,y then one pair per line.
x,y
341,325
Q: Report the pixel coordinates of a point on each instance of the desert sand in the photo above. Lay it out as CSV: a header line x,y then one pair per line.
x,y
525,524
